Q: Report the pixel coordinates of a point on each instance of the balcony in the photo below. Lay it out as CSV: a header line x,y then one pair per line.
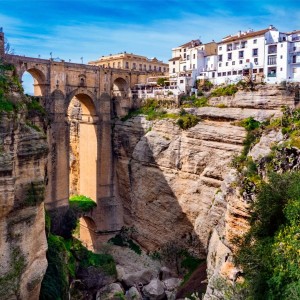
x,y
271,74
272,60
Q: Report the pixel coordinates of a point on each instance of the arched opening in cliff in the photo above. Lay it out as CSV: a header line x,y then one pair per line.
x,y
83,146
33,82
86,232
119,93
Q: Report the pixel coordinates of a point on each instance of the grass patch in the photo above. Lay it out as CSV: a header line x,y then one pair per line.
x,y
81,203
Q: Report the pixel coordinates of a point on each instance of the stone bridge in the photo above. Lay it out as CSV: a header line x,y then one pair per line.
x,y
85,98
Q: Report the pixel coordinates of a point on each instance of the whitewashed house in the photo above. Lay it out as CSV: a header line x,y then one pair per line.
x,y
189,61
293,69
243,54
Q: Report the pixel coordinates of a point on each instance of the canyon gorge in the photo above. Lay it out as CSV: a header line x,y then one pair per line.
x,y
173,186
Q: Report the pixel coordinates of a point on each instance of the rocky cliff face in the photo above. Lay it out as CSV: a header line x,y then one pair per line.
x,y
169,179
179,185
23,245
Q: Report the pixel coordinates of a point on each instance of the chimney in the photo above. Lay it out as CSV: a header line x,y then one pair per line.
x,y
2,52
271,27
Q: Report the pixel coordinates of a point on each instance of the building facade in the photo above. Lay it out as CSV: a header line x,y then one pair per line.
x,y
130,61
188,61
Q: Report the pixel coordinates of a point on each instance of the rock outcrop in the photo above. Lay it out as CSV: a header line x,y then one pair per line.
x,y
169,179
23,245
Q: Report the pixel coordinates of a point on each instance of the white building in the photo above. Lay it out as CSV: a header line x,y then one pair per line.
x,y
188,61
265,55
293,71
243,54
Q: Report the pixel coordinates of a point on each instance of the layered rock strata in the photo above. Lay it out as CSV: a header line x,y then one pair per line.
x,y
23,245
169,179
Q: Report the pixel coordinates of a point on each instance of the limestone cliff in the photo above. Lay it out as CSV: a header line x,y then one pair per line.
x,y
169,179
178,185
23,245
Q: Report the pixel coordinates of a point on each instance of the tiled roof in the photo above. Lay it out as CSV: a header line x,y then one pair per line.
x,y
191,43
295,31
175,58
244,36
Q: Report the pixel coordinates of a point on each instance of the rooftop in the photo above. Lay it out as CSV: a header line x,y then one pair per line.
x,y
245,35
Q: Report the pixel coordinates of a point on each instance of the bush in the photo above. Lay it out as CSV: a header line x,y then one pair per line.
x,y
269,252
228,90
187,121
124,239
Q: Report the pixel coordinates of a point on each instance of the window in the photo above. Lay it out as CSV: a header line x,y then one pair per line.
x,y
219,74
254,52
174,62
229,47
126,65
261,70
150,67
134,66
119,64
184,68
220,48
173,70
145,67
220,57
226,63
254,71
213,74
240,72
280,69
113,64
294,59
188,57
234,72
181,81
184,55
241,62
233,63
256,60
294,70
229,56
194,67
220,64
184,50
108,64
140,67
164,69
194,56
281,56
255,41
241,54
159,69
229,73
224,74
243,44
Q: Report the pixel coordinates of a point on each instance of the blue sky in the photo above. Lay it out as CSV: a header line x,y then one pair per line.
x,y
72,29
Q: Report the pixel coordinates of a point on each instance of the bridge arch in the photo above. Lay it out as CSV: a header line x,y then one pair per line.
x,y
83,144
87,232
120,97
120,87
39,80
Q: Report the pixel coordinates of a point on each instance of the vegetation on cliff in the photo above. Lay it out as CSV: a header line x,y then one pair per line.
x,y
72,268
269,253
152,110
